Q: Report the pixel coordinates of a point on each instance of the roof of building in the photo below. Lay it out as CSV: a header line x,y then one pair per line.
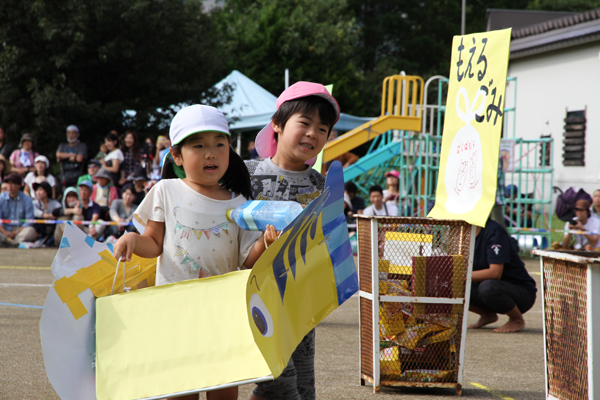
x,y
554,34
501,19
557,23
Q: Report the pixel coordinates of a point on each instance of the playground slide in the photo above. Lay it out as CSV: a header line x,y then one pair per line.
x,y
371,160
367,131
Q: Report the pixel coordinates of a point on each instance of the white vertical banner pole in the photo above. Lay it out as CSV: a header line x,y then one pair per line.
x,y
463,17
544,326
542,284
463,339
375,290
287,78
359,297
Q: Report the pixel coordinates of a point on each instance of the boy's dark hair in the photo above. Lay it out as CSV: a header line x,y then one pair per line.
x,y
128,186
235,179
350,187
375,188
306,105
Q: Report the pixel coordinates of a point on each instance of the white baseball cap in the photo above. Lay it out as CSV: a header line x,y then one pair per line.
x,y
194,119
43,159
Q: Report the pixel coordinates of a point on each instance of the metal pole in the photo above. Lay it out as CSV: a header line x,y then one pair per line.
x,y
375,303
287,78
463,17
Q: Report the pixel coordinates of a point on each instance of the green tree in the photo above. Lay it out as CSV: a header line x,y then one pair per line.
x,y
414,36
85,62
563,5
315,39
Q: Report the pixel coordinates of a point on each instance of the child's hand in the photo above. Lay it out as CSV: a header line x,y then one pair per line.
x,y
125,245
270,235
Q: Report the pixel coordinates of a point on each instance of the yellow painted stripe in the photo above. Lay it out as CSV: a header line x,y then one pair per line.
x,y
534,272
20,267
491,391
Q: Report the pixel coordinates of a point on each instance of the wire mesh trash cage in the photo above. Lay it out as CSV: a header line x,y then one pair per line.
x,y
414,277
570,289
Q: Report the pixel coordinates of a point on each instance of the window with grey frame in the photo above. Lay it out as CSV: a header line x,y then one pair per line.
x,y
574,139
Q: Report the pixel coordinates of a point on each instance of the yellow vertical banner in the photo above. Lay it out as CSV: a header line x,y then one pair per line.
x,y
466,187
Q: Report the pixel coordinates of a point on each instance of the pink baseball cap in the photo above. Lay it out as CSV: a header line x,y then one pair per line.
x,y
393,173
265,143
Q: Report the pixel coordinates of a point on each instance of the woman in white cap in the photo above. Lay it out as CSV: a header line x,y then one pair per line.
x,y
22,159
40,174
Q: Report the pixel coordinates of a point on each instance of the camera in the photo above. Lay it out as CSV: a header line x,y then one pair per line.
x,y
573,221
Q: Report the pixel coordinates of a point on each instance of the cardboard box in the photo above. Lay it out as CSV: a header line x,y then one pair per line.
x,y
438,276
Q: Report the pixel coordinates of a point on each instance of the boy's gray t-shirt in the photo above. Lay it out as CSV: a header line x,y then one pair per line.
x,y
269,182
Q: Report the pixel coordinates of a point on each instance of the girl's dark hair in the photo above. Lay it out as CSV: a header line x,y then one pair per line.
x,y
135,149
167,169
306,105
235,179
113,138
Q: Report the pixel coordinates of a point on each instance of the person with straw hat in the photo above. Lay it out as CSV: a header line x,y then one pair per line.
x,y
140,184
23,158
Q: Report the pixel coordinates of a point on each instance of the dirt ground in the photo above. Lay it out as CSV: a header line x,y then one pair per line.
x,y
497,366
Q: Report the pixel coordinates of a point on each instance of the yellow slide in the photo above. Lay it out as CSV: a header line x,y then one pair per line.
x,y
401,109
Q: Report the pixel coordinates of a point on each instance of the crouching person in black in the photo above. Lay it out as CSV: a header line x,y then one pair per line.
x,y
500,282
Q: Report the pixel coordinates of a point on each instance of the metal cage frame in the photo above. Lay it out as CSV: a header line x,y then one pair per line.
x,y
570,288
371,299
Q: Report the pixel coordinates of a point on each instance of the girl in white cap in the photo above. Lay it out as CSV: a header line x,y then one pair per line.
x,y
40,175
185,217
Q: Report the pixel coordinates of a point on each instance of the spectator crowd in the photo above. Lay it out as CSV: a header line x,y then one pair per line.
x,y
107,188
90,191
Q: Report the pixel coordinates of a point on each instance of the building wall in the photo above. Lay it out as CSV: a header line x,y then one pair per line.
x,y
548,85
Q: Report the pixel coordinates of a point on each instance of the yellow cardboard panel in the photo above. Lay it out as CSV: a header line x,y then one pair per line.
x,y
99,277
409,237
156,341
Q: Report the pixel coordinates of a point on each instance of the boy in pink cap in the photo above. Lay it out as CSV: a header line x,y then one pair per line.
x,y
288,147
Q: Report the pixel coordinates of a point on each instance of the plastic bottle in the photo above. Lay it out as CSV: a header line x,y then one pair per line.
x,y
254,215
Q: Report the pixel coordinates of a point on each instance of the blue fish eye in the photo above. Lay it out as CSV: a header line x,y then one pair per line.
x,y
261,316
259,320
